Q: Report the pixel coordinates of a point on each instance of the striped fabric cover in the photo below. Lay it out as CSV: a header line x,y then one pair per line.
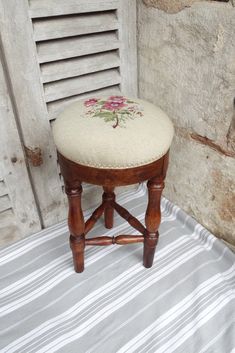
x,y
184,303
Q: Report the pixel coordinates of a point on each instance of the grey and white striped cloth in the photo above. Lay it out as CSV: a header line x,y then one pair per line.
x,y
184,303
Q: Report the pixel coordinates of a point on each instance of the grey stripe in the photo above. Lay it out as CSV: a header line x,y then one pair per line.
x,y
60,265
223,331
174,288
186,317
75,322
183,262
47,329
183,304
66,248
25,245
130,272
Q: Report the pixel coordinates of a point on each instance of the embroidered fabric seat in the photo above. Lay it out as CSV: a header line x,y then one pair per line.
x,y
113,132
113,141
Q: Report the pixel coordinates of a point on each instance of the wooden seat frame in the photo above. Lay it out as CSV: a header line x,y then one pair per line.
x,y
74,174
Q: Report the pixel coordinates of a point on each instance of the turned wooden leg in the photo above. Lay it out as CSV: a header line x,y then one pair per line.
x,y
152,219
76,224
108,197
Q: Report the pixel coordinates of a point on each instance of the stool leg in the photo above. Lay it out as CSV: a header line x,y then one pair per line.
x,y
108,196
152,219
76,224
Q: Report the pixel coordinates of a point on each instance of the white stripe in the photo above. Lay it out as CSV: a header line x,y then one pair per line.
x,y
58,227
74,334
203,317
78,332
186,316
167,318
54,248
56,279
4,310
129,297
36,282
126,195
42,233
175,311
76,309
34,275
33,260
73,311
27,247
65,293
11,256
171,247
201,235
48,285
153,303
90,304
53,282
221,332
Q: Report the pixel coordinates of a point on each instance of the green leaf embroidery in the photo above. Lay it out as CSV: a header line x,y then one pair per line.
x,y
105,114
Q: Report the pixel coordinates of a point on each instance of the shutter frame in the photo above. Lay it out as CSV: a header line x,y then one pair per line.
x,y
127,13
18,212
27,89
26,75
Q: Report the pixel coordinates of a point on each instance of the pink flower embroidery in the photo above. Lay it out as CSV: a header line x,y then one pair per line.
x,y
116,109
117,99
113,105
91,102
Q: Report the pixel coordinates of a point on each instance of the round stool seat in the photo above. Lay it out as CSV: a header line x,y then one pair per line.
x,y
113,132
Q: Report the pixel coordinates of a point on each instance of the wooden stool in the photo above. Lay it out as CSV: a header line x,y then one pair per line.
x,y
113,141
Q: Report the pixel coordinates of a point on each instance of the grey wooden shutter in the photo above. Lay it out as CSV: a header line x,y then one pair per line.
x,y
18,211
84,47
65,50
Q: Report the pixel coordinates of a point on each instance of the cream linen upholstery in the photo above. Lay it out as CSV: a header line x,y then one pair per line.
x,y
113,132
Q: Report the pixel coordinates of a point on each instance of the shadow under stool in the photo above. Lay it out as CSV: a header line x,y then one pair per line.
x,y
113,141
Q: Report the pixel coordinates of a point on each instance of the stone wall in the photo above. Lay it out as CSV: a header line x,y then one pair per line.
x,y
174,6
187,67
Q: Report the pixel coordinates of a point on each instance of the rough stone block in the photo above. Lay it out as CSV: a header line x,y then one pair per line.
x,y
202,183
173,6
187,67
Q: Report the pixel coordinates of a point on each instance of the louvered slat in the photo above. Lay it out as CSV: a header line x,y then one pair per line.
x,y
3,189
77,85
45,8
5,203
8,223
78,54
67,26
71,47
79,66
55,107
